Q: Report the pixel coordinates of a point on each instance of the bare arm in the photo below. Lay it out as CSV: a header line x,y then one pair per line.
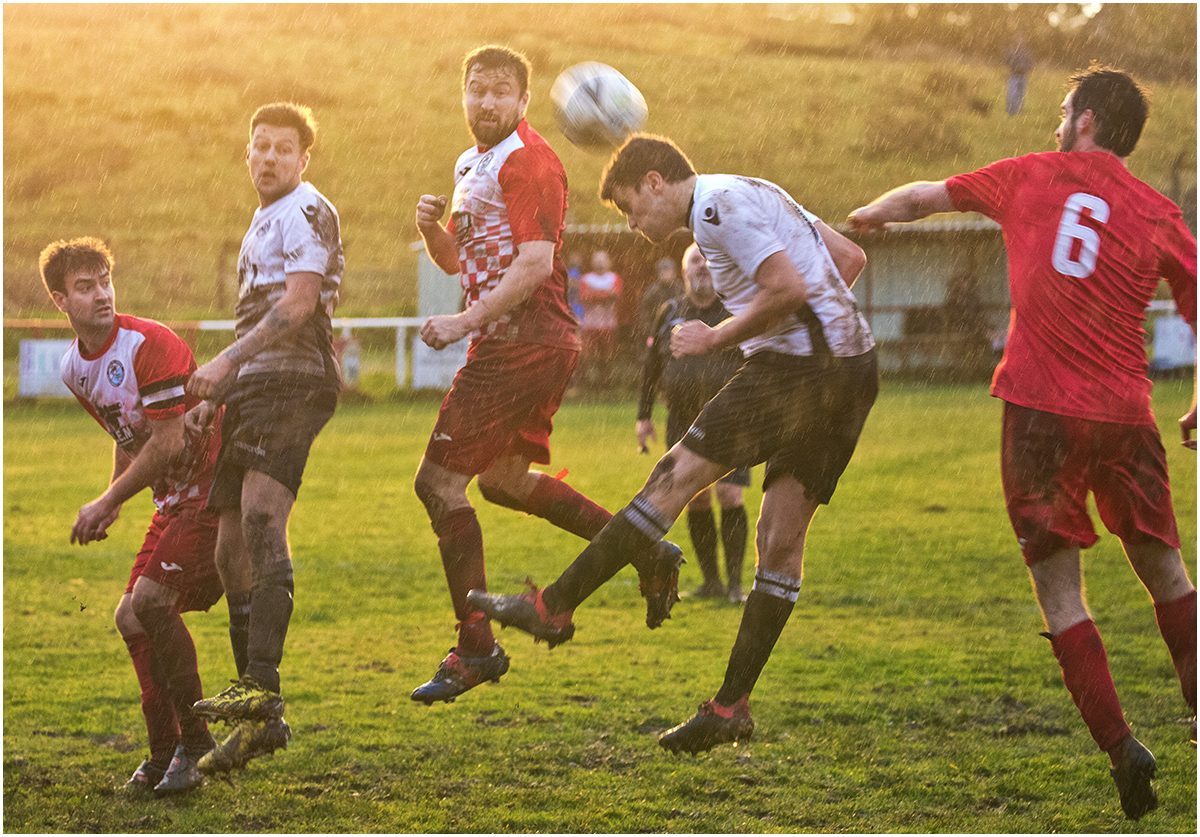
x,y
847,256
130,475
212,380
439,242
906,203
533,265
1187,424
781,290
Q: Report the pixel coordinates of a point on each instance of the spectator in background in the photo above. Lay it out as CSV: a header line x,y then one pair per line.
x,y
666,286
1019,59
574,274
599,291
688,383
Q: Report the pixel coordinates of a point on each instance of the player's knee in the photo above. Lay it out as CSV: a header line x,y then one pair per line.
x,y
126,620
431,498
494,493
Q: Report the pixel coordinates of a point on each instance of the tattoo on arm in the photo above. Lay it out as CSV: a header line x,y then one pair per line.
x,y
269,329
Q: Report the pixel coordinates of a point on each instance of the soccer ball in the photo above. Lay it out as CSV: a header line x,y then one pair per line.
x,y
595,106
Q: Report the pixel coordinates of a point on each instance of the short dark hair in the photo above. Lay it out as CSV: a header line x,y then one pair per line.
x,y
498,58
1119,104
640,154
288,115
63,258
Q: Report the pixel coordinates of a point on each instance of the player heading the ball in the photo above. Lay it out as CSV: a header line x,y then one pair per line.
x,y
504,240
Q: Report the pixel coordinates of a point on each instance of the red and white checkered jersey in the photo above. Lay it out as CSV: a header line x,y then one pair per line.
x,y
135,378
513,192
1087,244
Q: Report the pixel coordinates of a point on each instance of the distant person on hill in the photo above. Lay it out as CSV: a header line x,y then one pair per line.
x,y
280,381
128,373
503,239
1087,244
1019,59
798,403
599,291
688,383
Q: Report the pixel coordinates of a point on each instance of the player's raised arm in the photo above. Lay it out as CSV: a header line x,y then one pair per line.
x,y
439,241
911,202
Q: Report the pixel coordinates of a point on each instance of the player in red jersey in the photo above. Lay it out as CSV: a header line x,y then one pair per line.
x,y
129,374
504,239
1087,243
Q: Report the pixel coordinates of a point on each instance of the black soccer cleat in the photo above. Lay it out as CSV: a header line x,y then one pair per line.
x,y
712,725
659,582
245,700
527,613
460,674
1132,774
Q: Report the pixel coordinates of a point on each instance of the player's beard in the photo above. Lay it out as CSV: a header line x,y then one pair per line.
x,y
1069,139
489,135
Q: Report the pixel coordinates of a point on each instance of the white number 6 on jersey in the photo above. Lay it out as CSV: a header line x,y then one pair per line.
x,y
1070,231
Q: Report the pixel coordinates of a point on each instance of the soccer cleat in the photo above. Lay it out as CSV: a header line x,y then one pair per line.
x,y
712,725
181,776
144,778
526,612
736,595
660,583
459,674
249,740
1132,774
245,700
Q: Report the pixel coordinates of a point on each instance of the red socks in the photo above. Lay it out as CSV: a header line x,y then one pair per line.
x,y
1080,653
1177,622
460,542
162,726
555,501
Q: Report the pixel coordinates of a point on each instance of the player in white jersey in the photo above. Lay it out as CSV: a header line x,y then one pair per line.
x,y
279,381
798,403
128,373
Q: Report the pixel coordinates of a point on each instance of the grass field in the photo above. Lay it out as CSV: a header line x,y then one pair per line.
x,y
910,691
129,121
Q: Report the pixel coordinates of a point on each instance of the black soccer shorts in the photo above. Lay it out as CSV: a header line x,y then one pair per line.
x,y
800,415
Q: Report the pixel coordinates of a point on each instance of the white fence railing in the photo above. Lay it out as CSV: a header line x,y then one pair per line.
x,y
39,357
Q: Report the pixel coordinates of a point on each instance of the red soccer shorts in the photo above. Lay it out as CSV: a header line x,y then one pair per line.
x,y
179,553
501,404
1049,463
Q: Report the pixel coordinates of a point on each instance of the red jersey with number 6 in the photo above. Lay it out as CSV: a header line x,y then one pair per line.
x,y
1087,244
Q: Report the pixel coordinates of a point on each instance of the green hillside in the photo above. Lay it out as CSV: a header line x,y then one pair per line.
x,y
130,122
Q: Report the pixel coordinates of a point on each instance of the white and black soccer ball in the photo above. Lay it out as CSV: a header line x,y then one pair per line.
x,y
596,107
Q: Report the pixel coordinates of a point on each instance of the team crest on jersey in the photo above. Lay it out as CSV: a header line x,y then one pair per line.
x,y
115,373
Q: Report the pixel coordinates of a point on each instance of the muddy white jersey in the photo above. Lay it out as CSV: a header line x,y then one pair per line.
x,y
299,233
737,223
137,377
